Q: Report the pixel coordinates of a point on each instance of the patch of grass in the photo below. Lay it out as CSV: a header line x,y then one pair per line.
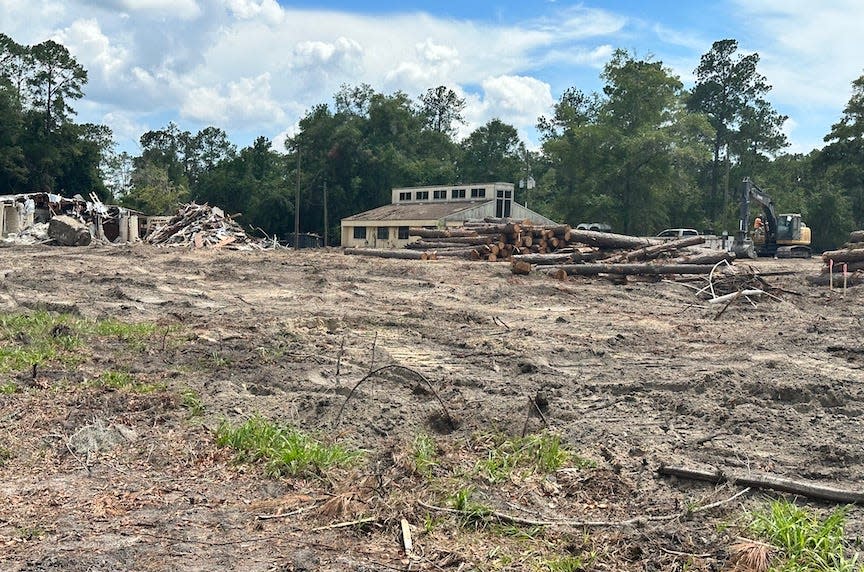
x,y
424,454
41,337
571,563
804,541
30,532
192,402
8,388
126,332
217,359
125,380
284,450
474,515
541,453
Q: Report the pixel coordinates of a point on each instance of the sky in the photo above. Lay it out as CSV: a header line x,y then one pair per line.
x,y
255,67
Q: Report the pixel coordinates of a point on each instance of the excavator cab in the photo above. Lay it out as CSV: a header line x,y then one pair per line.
x,y
783,235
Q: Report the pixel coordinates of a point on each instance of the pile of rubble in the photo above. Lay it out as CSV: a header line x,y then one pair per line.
x,y
202,226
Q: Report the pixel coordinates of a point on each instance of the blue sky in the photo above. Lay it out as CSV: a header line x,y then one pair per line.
x,y
254,67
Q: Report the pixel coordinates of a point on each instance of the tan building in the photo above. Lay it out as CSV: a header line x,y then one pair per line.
x,y
436,206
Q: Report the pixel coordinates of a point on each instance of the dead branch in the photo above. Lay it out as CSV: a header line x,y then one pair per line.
x,y
771,482
639,520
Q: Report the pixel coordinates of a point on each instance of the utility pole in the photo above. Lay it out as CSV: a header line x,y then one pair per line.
x,y
297,205
325,212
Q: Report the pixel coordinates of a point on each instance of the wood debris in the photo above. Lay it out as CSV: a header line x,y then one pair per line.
x,y
844,266
202,226
558,250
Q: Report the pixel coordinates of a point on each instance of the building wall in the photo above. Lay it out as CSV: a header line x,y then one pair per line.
x,y
372,226
471,192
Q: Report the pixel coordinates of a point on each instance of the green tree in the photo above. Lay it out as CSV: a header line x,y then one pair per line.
x,y
153,192
441,108
491,153
730,92
56,78
842,159
627,157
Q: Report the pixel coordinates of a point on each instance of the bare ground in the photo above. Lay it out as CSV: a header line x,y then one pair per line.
x,y
635,376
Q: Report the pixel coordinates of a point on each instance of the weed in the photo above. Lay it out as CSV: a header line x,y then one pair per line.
x,y
571,563
217,360
125,380
8,388
283,449
30,532
192,402
423,454
542,453
474,514
804,541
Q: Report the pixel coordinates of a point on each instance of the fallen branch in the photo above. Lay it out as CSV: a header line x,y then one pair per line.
x,y
766,482
639,520
345,524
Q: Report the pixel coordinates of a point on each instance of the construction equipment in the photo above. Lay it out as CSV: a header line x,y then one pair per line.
x,y
783,235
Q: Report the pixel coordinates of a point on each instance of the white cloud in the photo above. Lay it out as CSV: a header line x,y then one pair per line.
x,y
84,39
245,100
183,9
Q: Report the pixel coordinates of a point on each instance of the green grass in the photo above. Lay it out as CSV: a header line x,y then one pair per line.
x,y
474,515
42,337
284,450
571,563
8,388
805,542
542,453
192,402
424,453
125,380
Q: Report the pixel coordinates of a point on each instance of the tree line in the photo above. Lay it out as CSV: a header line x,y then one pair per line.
x,y
642,154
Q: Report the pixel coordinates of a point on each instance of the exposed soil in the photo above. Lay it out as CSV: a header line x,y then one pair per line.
x,y
631,376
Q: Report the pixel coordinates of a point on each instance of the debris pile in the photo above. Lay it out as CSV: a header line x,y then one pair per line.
x,y
34,234
202,226
844,266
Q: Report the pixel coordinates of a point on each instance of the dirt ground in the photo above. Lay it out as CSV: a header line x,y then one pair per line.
x,y
631,376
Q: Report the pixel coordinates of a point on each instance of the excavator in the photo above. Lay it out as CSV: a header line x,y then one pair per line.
x,y
780,235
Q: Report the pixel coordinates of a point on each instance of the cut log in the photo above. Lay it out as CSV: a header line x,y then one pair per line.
x,y
549,259
651,252
825,279
499,228
708,257
431,244
608,239
439,232
520,267
633,269
468,253
838,268
771,482
388,253
849,255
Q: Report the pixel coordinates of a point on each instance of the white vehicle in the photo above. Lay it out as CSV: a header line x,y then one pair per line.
x,y
678,233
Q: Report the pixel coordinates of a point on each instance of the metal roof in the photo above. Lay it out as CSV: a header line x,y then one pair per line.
x,y
415,211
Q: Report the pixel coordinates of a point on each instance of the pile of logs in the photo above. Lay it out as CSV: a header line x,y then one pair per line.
x,y
202,226
556,249
844,266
